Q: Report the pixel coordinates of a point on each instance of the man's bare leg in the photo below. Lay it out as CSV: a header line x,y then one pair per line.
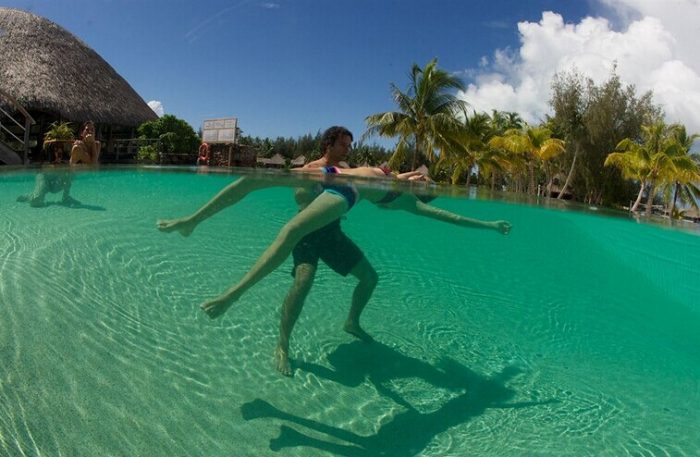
x,y
368,279
291,309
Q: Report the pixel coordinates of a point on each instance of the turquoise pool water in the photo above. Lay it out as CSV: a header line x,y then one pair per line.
x,y
577,334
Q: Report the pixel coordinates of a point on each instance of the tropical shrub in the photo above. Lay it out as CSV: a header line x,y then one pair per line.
x,y
58,131
148,154
174,136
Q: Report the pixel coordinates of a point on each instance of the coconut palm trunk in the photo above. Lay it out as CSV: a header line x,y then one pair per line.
x,y
676,191
419,144
639,197
650,197
569,176
531,177
548,179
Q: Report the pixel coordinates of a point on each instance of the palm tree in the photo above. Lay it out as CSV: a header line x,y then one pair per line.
x,y
661,158
533,144
497,160
501,121
427,115
466,144
686,180
630,161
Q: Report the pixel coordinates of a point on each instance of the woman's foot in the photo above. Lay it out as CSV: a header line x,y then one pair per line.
x,y
185,225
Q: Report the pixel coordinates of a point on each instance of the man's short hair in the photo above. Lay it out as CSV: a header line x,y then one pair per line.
x,y
331,135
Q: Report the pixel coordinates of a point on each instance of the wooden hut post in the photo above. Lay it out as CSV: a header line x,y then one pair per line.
x,y
25,150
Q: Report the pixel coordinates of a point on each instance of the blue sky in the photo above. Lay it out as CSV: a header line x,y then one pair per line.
x,y
290,67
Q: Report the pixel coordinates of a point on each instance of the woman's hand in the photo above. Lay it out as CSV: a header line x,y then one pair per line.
x,y
503,227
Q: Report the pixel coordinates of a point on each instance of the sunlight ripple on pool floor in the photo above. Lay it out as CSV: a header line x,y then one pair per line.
x,y
575,335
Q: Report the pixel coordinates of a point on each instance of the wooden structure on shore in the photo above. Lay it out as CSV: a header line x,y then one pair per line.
x,y
54,76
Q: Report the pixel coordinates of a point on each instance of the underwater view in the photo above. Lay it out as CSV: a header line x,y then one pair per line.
x,y
575,334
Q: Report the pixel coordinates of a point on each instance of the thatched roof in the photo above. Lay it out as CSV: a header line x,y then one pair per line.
x,y
47,69
275,160
299,161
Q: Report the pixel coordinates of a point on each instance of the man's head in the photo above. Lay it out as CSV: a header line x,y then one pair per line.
x,y
336,141
332,134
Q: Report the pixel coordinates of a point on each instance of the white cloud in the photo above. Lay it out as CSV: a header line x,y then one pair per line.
x,y
680,17
654,50
157,107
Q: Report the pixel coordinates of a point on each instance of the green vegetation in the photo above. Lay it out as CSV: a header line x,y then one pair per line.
x,y
427,121
58,131
593,119
568,154
309,146
169,135
148,154
662,159
528,147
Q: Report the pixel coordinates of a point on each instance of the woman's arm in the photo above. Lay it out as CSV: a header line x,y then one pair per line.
x,y
409,202
365,172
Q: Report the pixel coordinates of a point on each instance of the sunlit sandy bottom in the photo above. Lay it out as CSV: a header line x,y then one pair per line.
x,y
575,335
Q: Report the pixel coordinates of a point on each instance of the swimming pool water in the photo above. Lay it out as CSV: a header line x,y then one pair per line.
x,y
577,334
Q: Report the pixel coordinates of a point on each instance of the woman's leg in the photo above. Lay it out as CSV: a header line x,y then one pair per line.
x,y
326,208
41,188
229,195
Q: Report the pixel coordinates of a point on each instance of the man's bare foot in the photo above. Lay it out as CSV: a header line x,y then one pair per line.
x,y
282,359
216,306
356,331
185,226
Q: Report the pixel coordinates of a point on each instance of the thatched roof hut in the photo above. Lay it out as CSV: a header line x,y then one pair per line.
x,y
47,69
275,161
299,161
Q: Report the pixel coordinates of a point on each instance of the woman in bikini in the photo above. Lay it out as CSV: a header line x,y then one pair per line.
x,y
86,150
335,198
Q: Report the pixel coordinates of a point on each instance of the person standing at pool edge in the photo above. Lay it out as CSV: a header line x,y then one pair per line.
x,y
204,154
86,150
336,250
